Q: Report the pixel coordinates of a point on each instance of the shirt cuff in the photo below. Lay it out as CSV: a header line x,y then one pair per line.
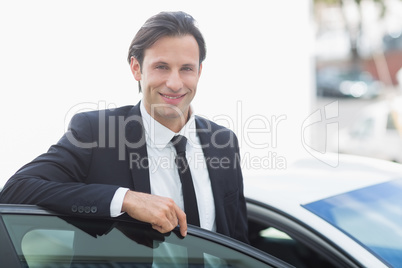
x,y
117,202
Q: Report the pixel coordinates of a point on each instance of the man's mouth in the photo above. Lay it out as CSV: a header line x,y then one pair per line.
x,y
171,97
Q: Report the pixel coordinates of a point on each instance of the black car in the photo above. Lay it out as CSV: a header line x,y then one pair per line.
x,y
336,82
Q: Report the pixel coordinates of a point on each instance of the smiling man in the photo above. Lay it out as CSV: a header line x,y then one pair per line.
x,y
169,76
86,174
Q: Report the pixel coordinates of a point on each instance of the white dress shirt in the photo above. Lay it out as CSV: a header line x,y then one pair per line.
x,y
163,173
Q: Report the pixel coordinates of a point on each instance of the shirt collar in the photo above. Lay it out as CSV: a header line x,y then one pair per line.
x,y
159,136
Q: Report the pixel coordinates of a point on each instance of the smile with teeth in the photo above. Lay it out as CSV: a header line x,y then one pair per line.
x,y
171,97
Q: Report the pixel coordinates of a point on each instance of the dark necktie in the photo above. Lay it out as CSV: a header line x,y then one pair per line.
x,y
190,201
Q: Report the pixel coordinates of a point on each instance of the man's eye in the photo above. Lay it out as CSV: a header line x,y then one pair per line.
x,y
161,67
187,69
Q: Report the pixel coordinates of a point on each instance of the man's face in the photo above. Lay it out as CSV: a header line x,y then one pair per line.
x,y
169,78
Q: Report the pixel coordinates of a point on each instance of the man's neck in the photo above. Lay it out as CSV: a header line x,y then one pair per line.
x,y
174,124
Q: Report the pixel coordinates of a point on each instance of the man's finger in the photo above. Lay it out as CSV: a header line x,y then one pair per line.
x,y
157,227
182,218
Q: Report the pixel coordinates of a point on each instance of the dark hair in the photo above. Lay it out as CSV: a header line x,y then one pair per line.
x,y
165,24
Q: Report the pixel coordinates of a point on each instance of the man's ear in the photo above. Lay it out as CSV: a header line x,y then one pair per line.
x,y
199,70
135,68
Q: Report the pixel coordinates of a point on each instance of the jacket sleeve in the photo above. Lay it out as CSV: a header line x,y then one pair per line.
x,y
241,228
56,180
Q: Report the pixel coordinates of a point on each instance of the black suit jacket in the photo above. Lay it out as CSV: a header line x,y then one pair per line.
x,y
104,150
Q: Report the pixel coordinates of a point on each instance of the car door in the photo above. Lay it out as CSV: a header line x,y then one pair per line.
x,y
286,238
32,237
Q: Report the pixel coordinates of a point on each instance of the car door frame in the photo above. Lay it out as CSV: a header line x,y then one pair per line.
x,y
273,217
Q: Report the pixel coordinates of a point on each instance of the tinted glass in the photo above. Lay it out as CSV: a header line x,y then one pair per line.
x,y
371,215
49,241
280,244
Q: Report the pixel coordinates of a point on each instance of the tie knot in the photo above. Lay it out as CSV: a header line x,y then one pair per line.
x,y
179,142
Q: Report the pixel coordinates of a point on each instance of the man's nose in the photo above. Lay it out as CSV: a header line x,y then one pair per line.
x,y
174,81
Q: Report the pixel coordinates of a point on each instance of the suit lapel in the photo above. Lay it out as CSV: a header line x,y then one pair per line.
x,y
136,149
204,133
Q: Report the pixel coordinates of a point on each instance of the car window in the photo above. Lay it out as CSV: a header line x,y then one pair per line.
x,y
371,215
288,239
394,120
390,122
50,241
363,129
280,244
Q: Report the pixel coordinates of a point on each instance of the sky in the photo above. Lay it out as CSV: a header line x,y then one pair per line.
x,y
60,57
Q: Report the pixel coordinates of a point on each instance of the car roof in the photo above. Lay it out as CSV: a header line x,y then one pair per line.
x,y
382,107
309,179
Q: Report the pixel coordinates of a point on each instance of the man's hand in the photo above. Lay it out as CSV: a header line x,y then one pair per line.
x,y
161,212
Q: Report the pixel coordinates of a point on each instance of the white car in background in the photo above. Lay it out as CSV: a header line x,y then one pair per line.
x,y
315,215
377,132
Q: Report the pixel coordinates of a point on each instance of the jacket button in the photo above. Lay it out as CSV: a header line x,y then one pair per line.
x,y
87,209
74,208
81,209
94,209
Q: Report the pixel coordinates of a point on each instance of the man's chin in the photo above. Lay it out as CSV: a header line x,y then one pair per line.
x,y
172,114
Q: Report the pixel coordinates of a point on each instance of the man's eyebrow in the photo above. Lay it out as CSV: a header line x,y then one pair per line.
x,y
189,65
193,65
160,62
